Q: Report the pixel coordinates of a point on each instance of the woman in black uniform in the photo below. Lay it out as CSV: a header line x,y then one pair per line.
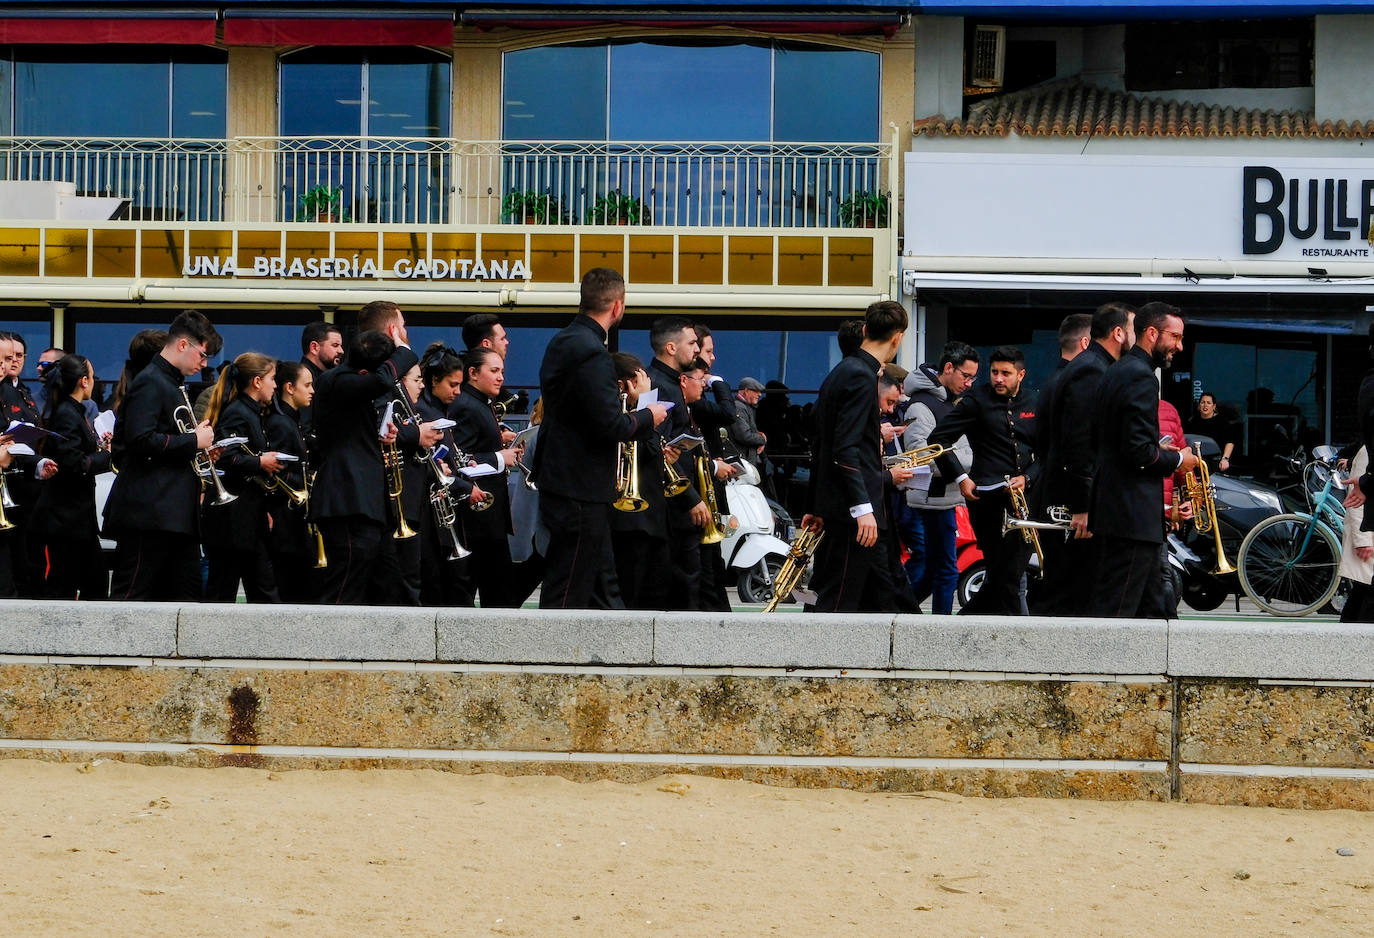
x,y
64,520
291,543
236,534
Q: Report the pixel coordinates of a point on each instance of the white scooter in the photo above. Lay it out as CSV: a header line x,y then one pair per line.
x,y
751,548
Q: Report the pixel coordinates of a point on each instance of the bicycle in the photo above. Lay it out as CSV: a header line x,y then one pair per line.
x,y
1289,564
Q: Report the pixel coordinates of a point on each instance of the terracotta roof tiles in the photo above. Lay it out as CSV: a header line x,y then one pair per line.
x,y
1074,109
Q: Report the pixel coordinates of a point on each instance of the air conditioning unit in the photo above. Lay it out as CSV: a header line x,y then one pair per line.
x,y
988,57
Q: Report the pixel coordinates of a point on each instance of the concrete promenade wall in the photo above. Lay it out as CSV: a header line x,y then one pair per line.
x,y
1272,713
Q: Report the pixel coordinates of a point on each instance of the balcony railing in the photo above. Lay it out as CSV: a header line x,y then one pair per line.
x,y
420,181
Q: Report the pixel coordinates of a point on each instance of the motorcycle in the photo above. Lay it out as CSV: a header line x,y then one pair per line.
x,y
752,546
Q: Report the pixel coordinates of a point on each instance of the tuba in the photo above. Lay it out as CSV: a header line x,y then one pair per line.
x,y
1202,493
627,497
184,416
793,566
1026,525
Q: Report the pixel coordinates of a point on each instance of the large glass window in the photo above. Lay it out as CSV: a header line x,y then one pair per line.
x,y
361,121
1268,53
638,131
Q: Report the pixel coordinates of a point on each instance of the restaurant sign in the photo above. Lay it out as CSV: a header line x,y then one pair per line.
x,y
357,267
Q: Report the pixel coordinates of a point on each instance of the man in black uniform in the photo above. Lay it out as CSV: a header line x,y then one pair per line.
x,y
1066,446
349,503
675,346
1127,517
19,404
484,330
713,412
574,464
999,421
847,495
153,511
322,348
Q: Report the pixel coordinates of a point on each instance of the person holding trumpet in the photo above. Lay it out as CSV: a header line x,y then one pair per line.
x,y
153,510
999,420
293,545
847,495
237,546
640,537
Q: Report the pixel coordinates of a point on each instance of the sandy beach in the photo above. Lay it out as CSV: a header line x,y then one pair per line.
x,y
108,848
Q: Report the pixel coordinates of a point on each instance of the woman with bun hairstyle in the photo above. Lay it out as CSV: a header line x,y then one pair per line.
x,y
64,519
292,545
236,534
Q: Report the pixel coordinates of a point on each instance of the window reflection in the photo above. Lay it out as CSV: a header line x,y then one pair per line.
x,y
661,91
555,93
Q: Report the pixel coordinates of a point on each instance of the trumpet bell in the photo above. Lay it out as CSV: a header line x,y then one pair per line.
x,y
403,530
630,502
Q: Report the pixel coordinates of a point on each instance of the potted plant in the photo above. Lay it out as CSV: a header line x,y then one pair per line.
x,y
531,207
323,204
864,210
617,209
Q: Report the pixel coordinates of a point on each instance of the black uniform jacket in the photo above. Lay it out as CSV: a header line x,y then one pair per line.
x,y
1068,431
582,417
430,409
351,479
1128,497
1364,406
66,503
714,411
289,532
667,380
479,435
156,489
1001,433
242,523
846,452
649,459
307,414
17,404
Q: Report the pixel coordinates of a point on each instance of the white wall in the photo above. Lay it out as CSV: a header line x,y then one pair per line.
x,y
939,66
1344,57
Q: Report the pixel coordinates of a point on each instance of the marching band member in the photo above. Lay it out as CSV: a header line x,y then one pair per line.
x,y
350,503
155,443
574,465
846,495
1128,490
999,420
642,562
292,545
18,404
236,534
713,411
412,438
64,519
478,434
443,582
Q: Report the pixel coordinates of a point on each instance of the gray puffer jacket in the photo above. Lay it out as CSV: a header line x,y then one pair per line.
x,y
929,402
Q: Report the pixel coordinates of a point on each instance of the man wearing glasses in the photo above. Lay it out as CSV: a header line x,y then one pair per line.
x,y
153,511
927,524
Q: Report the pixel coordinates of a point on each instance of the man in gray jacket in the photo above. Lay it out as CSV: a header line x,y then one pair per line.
x,y
745,430
930,521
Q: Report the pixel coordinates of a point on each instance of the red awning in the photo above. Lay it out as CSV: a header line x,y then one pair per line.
x,y
181,30
337,31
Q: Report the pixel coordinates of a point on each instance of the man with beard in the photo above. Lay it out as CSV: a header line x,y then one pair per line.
x,y
1128,495
1066,445
999,420
322,348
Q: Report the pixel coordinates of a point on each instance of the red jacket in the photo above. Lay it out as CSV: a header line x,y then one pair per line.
x,y
1170,423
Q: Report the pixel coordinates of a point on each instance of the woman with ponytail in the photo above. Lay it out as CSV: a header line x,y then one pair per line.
x,y
292,545
64,520
236,534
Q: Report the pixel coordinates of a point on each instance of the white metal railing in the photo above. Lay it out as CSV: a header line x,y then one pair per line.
x,y
425,181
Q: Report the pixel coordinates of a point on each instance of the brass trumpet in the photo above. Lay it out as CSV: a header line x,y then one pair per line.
x,y
627,472
441,501
1061,519
395,485
273,482
1027,527
1202,493
5,502
914,458
793,566
719,524
185,419
674,482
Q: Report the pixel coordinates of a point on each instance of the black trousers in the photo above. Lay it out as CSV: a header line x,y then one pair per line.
x,y
643,568
852,578
714,577
580,566
157,566
685,556
362,562
74,566
7,540
296,576
1067,586
405,591
1005,558
1130,580
229,565
25,553
490,573
443,582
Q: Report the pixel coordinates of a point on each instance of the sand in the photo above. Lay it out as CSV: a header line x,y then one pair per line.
x,y
107,848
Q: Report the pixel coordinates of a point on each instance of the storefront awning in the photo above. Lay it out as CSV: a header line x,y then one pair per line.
x,y
182,27
296,28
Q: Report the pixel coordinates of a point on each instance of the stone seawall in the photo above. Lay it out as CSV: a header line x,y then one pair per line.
x,y
1235,713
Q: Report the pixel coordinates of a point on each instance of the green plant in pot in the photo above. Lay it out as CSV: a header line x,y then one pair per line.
x,y
321,203
531,208
864,210
617,209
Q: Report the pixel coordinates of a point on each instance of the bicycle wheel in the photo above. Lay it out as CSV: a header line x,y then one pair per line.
x,y
1290,565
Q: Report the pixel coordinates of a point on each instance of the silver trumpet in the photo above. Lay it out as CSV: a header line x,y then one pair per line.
x,y
1061,519
185,419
